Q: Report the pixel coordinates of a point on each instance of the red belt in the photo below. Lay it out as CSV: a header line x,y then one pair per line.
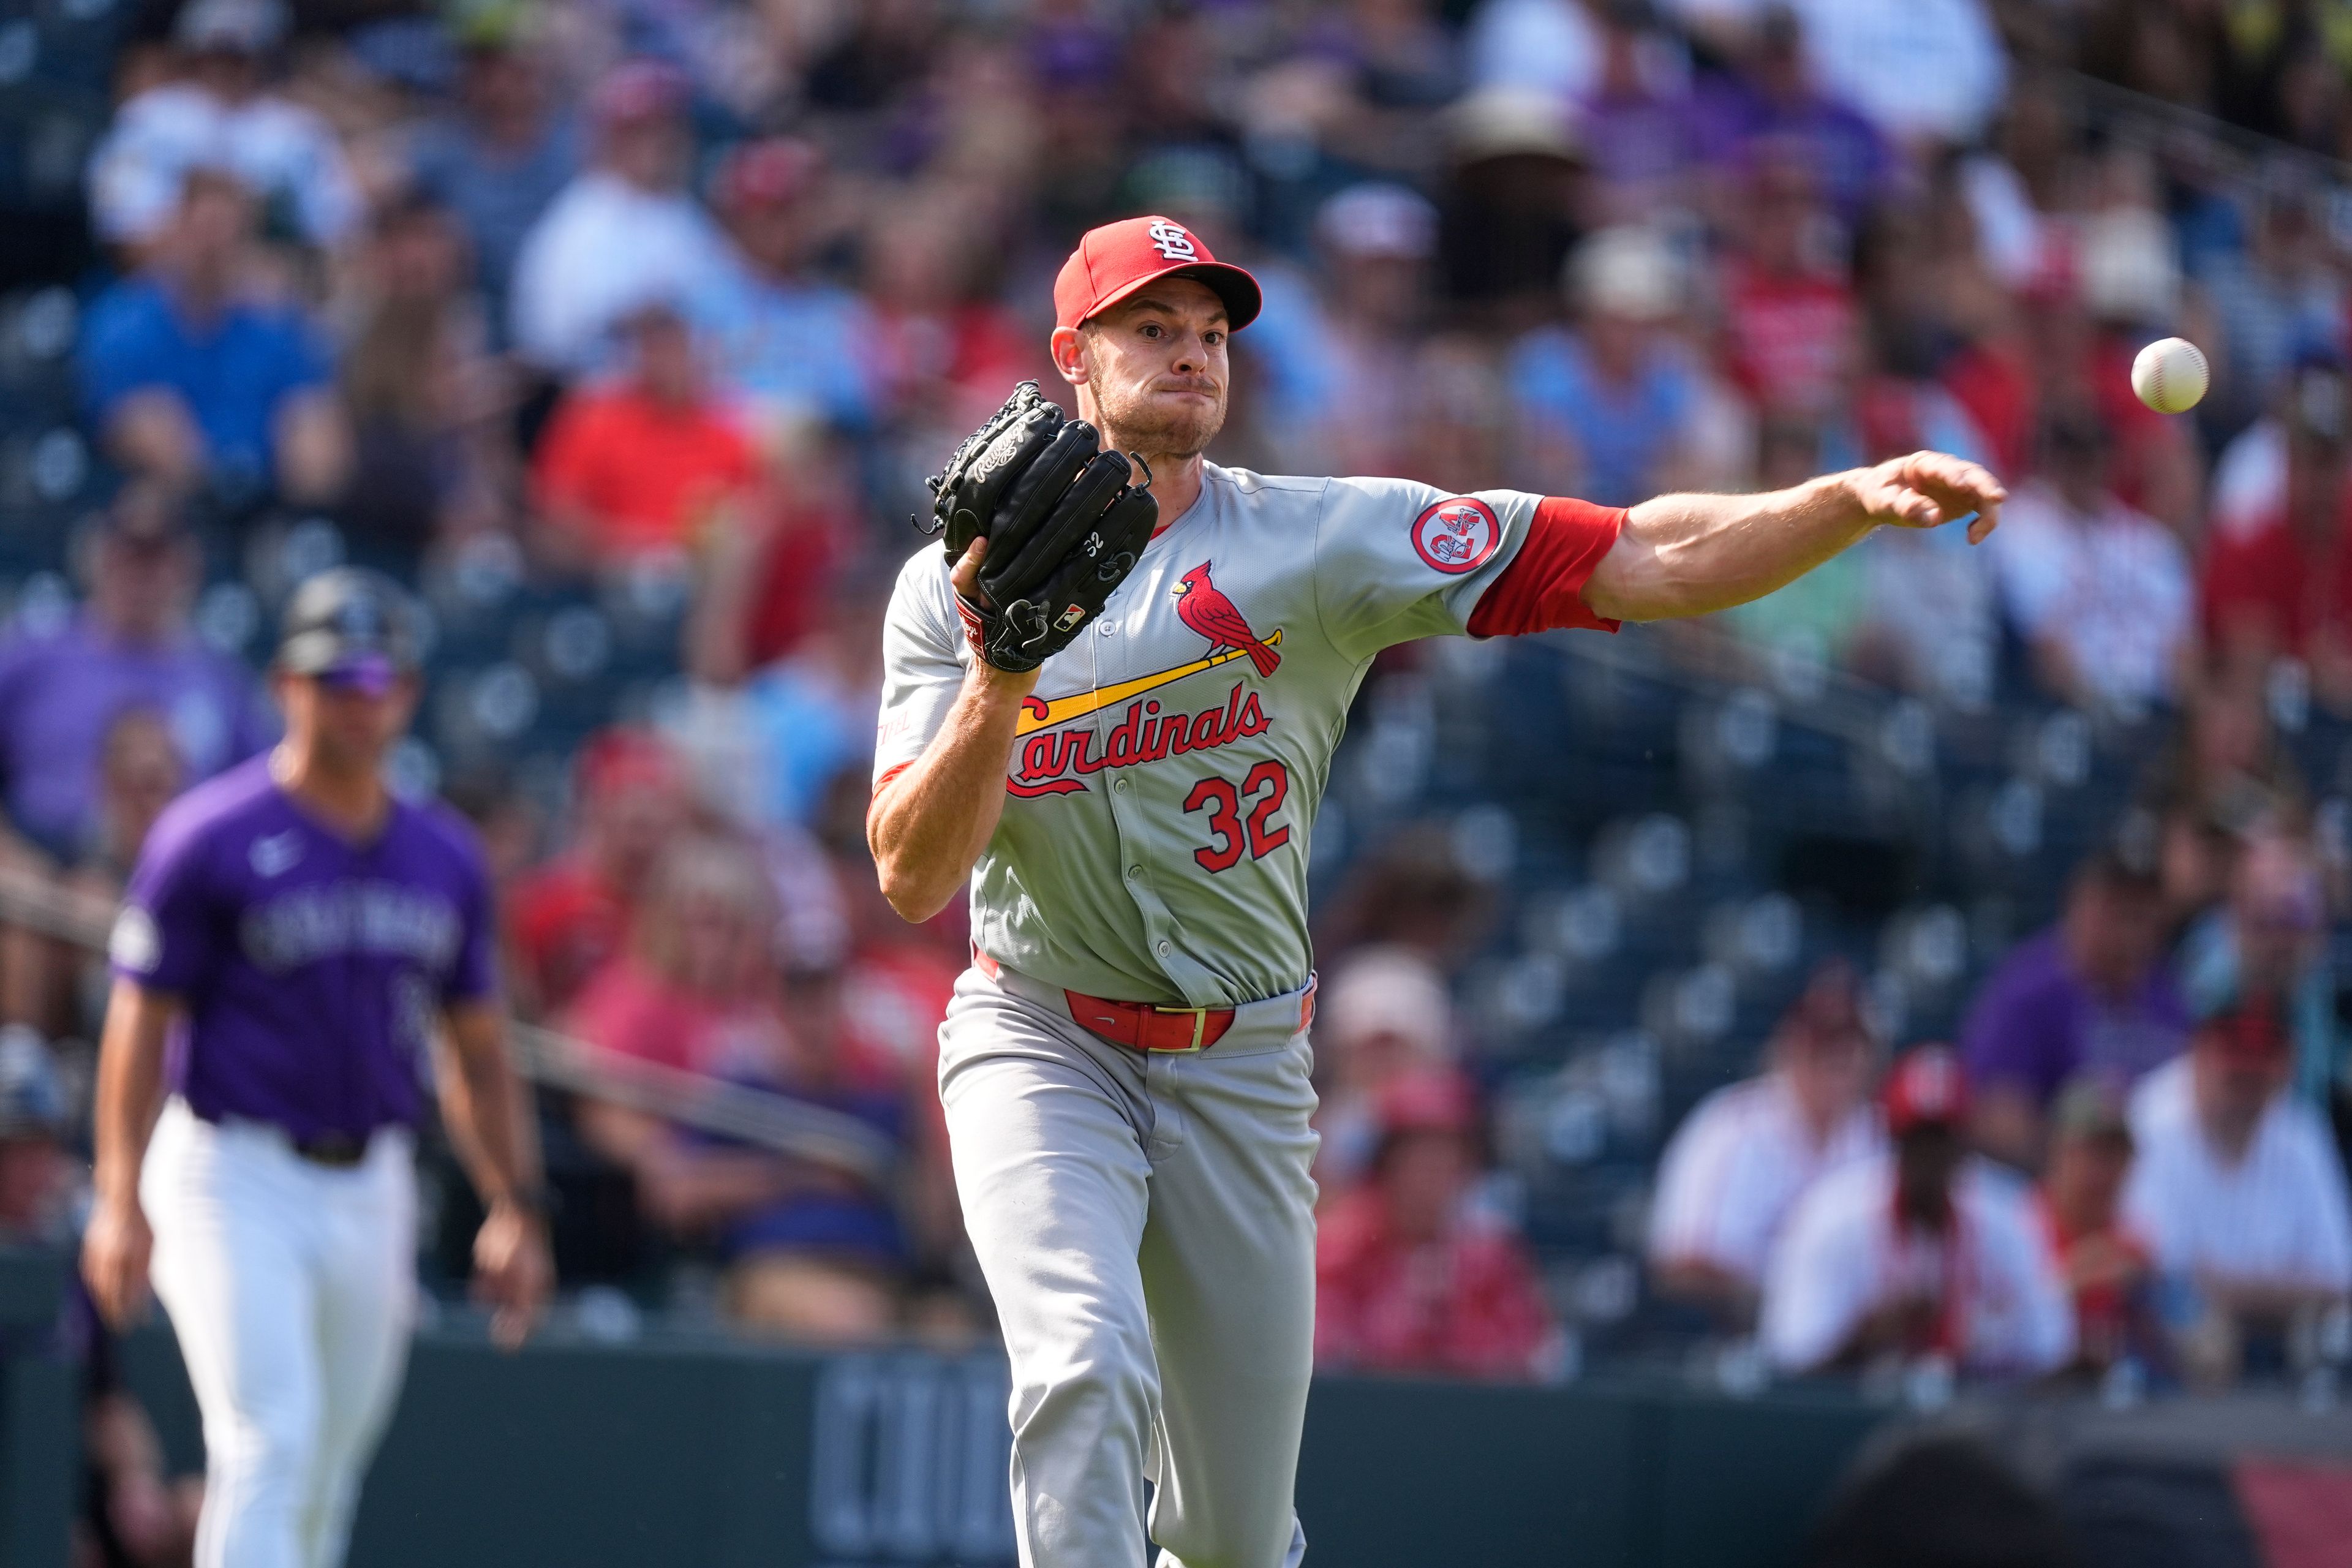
x,y
1141,1027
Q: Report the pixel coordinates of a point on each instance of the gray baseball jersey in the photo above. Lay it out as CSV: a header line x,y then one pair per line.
x,y
1164,779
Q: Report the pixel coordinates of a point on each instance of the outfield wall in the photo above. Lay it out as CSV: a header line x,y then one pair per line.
x,y
704,1454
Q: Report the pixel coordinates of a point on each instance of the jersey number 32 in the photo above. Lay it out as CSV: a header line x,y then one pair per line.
x,y
1266,788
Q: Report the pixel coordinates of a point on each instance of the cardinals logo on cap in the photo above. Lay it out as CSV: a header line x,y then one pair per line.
x,y
1172,242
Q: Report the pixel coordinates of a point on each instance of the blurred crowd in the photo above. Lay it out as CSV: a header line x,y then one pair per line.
x,y
695,293
2104,1185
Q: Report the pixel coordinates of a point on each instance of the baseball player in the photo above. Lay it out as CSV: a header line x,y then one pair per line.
x,y
1121,740
294,942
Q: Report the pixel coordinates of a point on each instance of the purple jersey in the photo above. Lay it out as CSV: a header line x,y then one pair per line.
x,y
313,969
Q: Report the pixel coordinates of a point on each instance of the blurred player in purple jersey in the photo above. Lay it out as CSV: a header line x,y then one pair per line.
x,y
295,946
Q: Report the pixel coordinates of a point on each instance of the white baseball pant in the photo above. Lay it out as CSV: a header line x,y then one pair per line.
x,y
292,1288
1146,1223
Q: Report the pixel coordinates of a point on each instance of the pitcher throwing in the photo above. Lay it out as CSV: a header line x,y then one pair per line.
x,y
1111,703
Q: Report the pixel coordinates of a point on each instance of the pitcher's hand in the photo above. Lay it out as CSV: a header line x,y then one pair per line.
x,y
1928,490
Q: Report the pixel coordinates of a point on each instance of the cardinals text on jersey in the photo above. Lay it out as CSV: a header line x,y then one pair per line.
x,y
1054,761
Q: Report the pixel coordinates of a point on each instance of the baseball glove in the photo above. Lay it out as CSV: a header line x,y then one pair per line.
x,y
1064,527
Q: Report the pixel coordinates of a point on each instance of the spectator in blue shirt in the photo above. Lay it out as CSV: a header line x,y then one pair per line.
x,y
1608,400
499,160
189,381
794,345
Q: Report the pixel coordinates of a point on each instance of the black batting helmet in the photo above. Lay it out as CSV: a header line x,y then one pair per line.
x,y
349,621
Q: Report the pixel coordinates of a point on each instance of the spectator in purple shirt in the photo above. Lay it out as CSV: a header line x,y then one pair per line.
x,y
2090,994
1638,129
130,646
1773,106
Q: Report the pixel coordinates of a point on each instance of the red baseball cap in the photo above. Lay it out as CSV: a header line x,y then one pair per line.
x,y
636,91
619,759
772,172
2248,1031
1426,1100
1115,260
1927,1087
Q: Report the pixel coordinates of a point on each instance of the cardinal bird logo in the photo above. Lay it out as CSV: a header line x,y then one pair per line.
x,y
1207,611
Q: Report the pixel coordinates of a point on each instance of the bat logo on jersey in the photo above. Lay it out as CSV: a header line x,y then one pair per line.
x,y
1200,605
1457,535
1174,242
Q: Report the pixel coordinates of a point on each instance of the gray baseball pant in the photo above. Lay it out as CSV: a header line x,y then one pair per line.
x,y
1146,1224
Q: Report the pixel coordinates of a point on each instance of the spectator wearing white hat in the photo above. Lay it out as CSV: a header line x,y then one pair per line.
x,y
1608,403
1749,1152
623,231
215,110
1929,1252
1385,1012
2237,1187
1515,199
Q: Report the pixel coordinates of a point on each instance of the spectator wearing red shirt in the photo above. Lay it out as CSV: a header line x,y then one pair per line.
x,y
2104,1264
1407,1279
568,920
643,464
1789,315
2281,585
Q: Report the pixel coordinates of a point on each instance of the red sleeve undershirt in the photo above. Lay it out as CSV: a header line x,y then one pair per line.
x,y
1543,587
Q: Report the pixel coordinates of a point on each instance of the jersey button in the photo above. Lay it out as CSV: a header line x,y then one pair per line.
x,y
1164,949
1108,628
1134,873
1120,786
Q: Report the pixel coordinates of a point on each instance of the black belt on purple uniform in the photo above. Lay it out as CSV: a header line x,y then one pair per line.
x,y
337,1150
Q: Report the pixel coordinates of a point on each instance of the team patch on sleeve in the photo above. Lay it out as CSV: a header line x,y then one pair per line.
x,y
135,944
1456,535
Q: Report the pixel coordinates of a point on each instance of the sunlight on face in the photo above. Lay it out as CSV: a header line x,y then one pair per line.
x,y
1157,367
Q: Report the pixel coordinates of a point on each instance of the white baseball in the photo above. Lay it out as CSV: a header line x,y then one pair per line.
x,y
2170,376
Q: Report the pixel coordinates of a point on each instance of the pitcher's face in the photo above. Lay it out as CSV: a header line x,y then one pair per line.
x,y
1154,368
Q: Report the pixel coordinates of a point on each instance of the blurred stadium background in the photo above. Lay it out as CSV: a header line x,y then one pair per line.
x,y
624,331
